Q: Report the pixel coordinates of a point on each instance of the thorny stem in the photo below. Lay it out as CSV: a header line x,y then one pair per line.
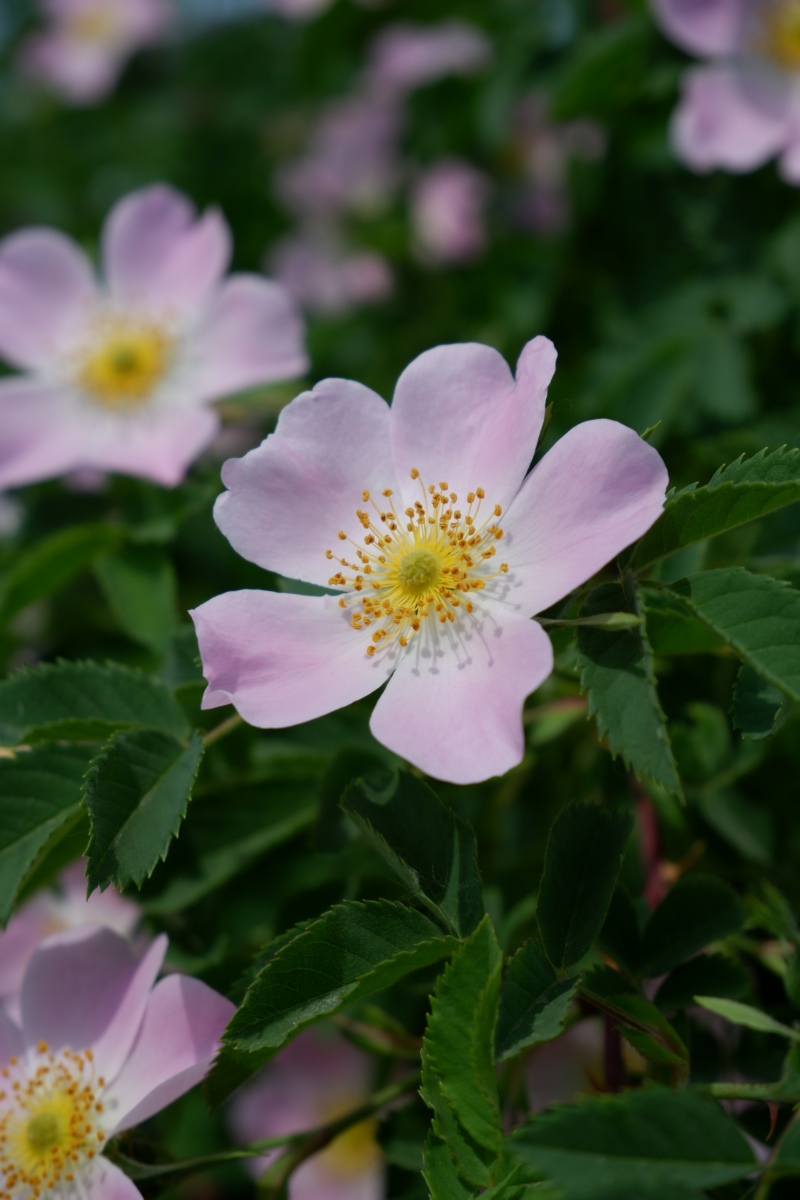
x,y
305,1143
222,730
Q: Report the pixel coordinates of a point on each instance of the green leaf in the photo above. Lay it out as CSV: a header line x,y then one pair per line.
x,y
708,974
654,1145
759,708
351,951
428,846
232,826
53,562
139,585
459,1080
618,676
697,911
745,1014
639,1021
41,800
758,616
744,491
533,1002
582,862
440,1174
85,701
137,792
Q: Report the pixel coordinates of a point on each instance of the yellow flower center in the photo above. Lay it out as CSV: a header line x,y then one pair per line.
x,y
781,33
99,26
422,564
49,1113
353,1151
122,367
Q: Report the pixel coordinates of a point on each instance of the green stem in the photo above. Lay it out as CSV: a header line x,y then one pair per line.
x,y
222,730
307,1142
747,1091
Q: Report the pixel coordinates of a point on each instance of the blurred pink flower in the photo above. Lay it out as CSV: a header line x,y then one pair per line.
x,y
407,512
98,1050
744,108
299,10
83,51
545,149
120,376
407,56
314,1080
325,276
352,163
51,911
447,212
570,1066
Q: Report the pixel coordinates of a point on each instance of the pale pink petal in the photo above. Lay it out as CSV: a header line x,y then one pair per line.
x,y
599,489
704,27
100,1179
407,56
789,165
251,334
79,71
289,498
158,252
730,119
107,908
282,659
178,1039
322,1178
11,1043
46,287
40,437
562,1071
160,445
459,418
85,989
453,707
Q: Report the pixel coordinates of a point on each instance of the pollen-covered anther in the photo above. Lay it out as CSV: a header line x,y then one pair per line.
x,y
48,1123
423,564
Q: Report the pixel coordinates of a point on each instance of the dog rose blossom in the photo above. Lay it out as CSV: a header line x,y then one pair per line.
x,y
439,547
98,1050
119,376
744,107
50,912
83,50
315,1080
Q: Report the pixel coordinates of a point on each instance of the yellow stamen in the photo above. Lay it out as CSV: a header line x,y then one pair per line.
x,y
780,37
124,363
423,563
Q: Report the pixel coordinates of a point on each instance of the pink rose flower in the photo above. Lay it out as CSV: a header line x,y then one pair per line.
x,y
352,163
51,911
745,108
120,376
407,56
82,53
313,1081
439,547
324,275
98,1050
447,212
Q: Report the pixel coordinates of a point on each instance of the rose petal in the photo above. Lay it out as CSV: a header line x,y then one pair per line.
x,y
159,254
158,445
705,27
321,1178
599,489
459,417
457,714
46,287
85,989
41,437
102,1180
252,334
289,498
731,119
282,659
11,1044
178,1039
